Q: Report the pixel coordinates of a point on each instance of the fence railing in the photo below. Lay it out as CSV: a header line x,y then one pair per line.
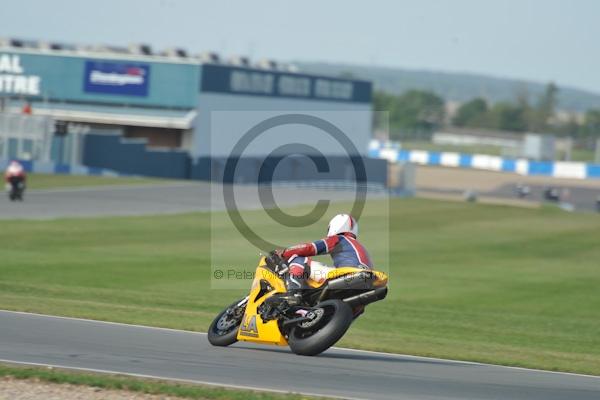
x,y
25,136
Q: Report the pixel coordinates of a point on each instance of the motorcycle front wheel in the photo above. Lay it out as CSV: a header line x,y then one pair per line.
x,y
224,328
332,318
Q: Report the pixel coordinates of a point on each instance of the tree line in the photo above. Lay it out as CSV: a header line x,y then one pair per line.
x,y
418,112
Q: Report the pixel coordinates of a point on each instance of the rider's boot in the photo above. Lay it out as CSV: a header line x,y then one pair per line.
x,y
294,286
293,295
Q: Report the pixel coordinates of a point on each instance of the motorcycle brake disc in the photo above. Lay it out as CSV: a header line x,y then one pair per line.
x,y
225,323
314,316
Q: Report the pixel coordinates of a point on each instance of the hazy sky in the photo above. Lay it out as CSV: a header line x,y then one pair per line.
x,y
530,39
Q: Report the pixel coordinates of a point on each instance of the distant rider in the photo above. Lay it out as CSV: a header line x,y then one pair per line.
x,y
340,243
15,175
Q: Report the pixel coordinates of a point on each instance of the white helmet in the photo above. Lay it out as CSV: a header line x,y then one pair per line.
x,y
342,223
14,167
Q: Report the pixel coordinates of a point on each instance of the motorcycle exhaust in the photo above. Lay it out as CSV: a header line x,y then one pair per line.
x,y
367,297
356,281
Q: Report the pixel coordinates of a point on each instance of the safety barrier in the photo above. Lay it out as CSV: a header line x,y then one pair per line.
x,y
522,166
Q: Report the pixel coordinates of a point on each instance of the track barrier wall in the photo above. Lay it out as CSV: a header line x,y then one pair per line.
x,y
131,156
556,169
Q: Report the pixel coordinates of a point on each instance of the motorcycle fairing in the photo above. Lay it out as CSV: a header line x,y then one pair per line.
x,y
252,328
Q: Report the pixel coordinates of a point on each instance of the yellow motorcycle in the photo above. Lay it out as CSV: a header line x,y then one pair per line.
x,y
317,322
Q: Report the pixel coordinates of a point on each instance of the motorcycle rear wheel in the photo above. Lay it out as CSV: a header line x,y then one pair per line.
x,y
331,326
223,330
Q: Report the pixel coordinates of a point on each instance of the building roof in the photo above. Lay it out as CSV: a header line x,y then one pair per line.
x,y
103,114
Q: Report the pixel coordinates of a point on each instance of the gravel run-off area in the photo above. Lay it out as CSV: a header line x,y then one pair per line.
x,y
33,389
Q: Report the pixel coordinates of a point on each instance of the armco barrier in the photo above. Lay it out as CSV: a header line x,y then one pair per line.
x,y
557,169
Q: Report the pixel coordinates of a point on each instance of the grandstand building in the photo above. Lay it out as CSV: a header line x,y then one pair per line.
x,y
133,111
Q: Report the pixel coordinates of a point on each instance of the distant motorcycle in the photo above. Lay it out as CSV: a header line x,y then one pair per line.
x,y
15,188
523,191
552,194
325,313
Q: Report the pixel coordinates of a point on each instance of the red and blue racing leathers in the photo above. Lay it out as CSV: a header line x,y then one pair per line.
x,y
345,250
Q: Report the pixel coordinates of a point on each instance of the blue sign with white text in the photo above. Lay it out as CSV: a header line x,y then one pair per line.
x,y
129,79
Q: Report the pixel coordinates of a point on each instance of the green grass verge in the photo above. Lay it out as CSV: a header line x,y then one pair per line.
x,y
494,284
51,181
150,386
584,155
430,146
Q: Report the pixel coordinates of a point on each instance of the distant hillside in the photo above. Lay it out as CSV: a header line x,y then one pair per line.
x,y
454,86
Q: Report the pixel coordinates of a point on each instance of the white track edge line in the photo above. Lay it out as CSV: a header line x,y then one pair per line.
x,y
335,348
182,380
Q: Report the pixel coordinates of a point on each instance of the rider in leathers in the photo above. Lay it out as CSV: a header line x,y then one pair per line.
x,y
341,244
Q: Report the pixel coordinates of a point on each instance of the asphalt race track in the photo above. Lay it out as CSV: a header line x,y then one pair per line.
x,y
181,197
168,198
581,194
109,347
581,198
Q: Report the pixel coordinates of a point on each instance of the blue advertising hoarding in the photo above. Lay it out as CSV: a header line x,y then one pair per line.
x,y
129,79
256,82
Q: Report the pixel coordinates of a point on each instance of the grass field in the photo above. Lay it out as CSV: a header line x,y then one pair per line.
x,y
51,181
468,281
430,146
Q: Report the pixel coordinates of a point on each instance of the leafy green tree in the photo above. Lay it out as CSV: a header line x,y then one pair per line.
x,y
471,113
546,107
383,106
419,111
411,113
507,116
591,125
528,112
518,116
569,128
